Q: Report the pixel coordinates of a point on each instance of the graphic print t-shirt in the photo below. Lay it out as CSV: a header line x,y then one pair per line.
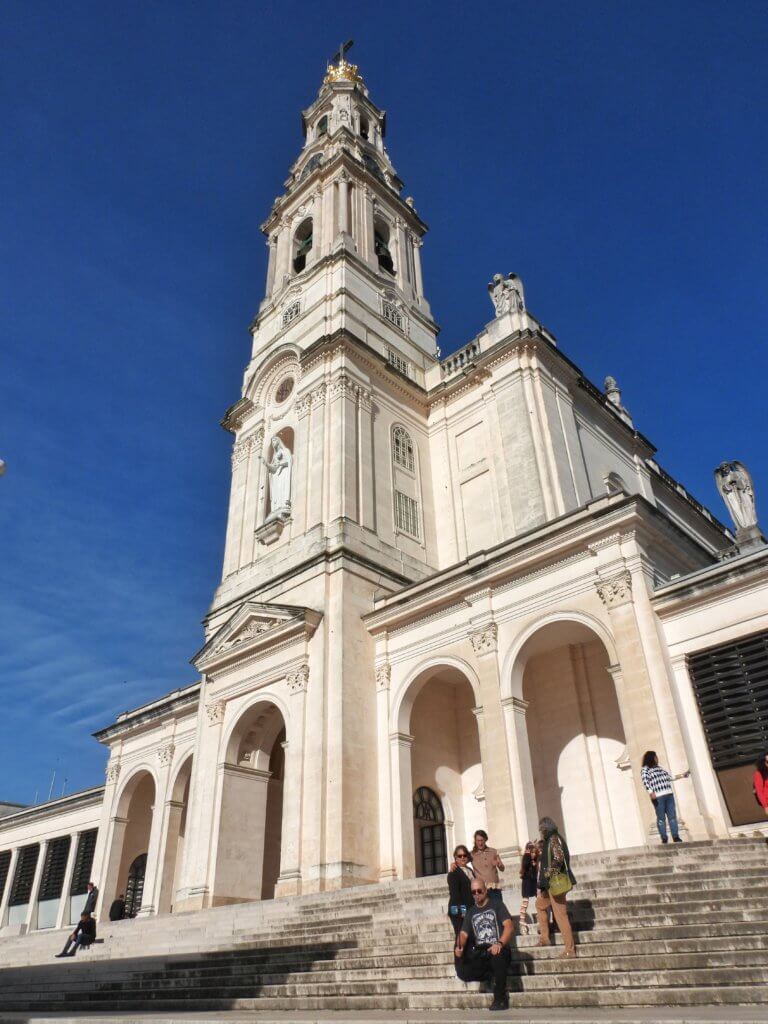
x,y
485,924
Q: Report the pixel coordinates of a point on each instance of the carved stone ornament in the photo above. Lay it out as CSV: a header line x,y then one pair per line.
x,y
215,711
253,629
113,769
507,294
484,641
615,590
241,450
383,676
298,679
165,754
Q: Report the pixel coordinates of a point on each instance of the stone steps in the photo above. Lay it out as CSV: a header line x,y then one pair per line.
x,y
683,925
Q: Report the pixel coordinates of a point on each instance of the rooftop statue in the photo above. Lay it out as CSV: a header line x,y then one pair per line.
x,y
735,486
507,294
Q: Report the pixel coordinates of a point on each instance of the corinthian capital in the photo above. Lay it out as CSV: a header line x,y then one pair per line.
x,y
215,711
484,640
615,590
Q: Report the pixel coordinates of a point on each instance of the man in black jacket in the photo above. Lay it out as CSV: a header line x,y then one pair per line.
x,y
92,897
82,936
117,910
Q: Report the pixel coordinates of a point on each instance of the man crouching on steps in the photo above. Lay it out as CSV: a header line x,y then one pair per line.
x,y
482,946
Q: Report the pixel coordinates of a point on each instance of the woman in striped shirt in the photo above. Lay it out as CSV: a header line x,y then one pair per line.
x,y
658,782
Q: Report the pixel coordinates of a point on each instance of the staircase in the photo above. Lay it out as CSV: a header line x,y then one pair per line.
x,y
680,925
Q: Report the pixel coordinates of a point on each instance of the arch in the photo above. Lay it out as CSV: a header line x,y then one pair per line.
x,y
135,816
381,244
615,484
435,747
322,126
134,886
569,733
403,703
364,127
249,838
126,791
429,824
511,677
282,362
403,448
178,776
302,243
311,165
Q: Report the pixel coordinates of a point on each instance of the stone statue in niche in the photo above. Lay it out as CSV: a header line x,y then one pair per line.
x,y
507,294
735,486
279,481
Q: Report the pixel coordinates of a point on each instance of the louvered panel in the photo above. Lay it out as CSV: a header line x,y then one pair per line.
x,y
24,876
5,863
81,876
54,868
730,682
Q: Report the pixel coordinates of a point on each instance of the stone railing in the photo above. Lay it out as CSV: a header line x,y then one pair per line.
x,y
460,360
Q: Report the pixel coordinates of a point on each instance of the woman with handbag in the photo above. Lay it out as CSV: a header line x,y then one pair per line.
x,y
555,880
460,879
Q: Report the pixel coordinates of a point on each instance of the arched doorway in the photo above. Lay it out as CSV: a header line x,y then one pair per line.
x,y
130,840
250,824
429,823
134,887
575,740
442,757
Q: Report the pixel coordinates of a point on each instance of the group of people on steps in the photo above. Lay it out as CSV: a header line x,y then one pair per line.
x,y
483,925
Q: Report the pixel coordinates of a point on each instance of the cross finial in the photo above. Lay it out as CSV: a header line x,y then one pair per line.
x,y
338,57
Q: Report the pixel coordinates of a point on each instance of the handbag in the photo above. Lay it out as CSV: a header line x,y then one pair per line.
x,y
559,883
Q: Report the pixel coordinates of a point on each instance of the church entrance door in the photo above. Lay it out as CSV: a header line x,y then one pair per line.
x,y
429,821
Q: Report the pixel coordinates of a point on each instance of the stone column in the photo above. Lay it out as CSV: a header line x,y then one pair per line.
x,y
367,240
8,886
172,813
521,767
158,834
497,783
106,861
402,257
387,857
34,897
400,744
289,882
272,263
199,850
318,462
62,917
633,687
366,460
240,453
343,204
302,467
417,244
252,499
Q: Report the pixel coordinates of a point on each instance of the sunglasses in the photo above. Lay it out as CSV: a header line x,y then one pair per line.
x,y
462,856
477,892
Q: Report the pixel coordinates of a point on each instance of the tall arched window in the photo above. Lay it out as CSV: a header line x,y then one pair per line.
x,y
313,163
322,126
364,129
402,449
381,245
134,890
302,244
429,821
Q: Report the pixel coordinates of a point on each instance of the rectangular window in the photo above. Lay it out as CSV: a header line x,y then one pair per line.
x,y
396,360
24,876
81,876
407,514
54,868
730,682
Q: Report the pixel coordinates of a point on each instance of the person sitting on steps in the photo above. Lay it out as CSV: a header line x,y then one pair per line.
x,y
482,945
82,937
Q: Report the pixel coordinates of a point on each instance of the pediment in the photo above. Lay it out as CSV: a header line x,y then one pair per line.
x,y
253,627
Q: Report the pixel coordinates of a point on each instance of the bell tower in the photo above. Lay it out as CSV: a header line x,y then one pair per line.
x,y
342,206
344,325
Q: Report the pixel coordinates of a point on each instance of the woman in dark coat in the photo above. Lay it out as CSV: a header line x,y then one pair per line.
x,y
460,887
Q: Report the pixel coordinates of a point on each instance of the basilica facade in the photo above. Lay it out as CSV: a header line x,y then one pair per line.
x,y
457,593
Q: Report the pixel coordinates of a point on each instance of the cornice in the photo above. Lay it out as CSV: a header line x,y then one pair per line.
x,y
152,713
63,805
736,575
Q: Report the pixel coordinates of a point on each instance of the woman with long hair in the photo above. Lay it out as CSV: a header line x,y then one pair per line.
x,y
554,881
760,781
658,782
460,879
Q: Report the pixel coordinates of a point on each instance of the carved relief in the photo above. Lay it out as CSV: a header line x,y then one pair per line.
x,y
113,769
165,754
484,640
254,628
298,679
383,676
241,450
215,711
615,590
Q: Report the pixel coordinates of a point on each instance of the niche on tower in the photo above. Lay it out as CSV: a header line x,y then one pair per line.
x,y
278,484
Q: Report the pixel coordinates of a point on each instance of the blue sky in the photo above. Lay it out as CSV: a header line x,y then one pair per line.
x,y
612,154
